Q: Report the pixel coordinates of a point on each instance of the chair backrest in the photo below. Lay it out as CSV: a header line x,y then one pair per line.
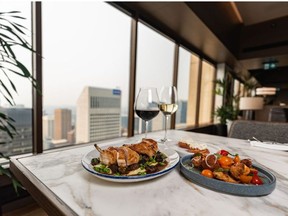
x,y
272,131
278,115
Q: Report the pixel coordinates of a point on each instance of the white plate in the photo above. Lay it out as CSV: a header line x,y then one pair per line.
x,y
173,161
183,152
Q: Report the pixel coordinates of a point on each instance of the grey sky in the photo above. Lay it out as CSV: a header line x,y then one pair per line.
x,y
88,43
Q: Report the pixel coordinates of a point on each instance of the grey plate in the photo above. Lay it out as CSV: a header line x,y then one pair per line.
x,y
194,175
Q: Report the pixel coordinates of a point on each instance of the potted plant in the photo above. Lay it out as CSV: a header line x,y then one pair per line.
x,y
228,111
12,35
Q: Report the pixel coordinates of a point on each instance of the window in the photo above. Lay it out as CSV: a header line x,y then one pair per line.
x,y
155,55
188,73
207,93
86,49
22,111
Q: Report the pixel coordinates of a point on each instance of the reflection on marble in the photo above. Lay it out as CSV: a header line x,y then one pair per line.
x,y
170,194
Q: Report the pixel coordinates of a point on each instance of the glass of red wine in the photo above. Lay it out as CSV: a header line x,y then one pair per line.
x,y
147,105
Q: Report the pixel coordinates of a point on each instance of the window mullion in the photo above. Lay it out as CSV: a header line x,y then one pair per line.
x,y
37,74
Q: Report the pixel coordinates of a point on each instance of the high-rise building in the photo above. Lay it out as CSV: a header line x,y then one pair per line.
x,y
22,140
98,114
62,123
48,127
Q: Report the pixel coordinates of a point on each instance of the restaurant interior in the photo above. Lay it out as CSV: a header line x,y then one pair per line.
x,y
238,73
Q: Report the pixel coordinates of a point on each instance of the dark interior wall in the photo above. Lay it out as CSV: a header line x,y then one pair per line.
x,y
281,97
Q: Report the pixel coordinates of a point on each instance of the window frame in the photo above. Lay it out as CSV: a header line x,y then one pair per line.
x,y
37,100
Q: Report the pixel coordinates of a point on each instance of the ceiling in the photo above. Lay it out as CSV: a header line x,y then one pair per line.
x,y
257,12
241,34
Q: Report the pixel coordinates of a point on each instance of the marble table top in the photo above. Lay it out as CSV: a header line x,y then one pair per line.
x,y
66,183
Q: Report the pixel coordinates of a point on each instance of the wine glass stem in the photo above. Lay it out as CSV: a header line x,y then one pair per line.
x,y
166,122
146,128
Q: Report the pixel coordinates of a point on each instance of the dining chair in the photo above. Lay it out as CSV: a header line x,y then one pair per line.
x,y
272,131
278,115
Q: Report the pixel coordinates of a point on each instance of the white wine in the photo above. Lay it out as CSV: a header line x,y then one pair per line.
x,y
168,109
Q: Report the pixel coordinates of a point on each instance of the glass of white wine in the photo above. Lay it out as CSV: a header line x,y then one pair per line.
x,y
168,105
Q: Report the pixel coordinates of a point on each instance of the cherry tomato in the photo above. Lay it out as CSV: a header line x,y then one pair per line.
x,y
223,152
236,158
225,162
253,171
208,173
245,179
256,180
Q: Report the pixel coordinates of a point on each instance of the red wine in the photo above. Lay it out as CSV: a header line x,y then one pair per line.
x,y
147,115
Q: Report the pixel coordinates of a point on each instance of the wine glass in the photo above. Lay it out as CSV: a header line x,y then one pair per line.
x,y
146,105
168,104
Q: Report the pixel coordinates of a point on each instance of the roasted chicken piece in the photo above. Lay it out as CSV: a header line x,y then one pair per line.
x,y
197,160
107,156
126,156
123,156
247,162
224,177
239,169
206,161
146,146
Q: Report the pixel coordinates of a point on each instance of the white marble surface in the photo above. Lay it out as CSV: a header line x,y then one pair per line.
x,y
170,194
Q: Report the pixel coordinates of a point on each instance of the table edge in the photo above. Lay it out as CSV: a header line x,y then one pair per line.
x,y
42,195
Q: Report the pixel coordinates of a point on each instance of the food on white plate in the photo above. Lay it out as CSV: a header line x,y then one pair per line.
x,y
147,146
128,160
124,156
226,167
193,146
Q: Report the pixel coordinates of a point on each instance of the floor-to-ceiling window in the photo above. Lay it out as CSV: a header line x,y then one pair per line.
x,y
207,93
188,74
86,49
155,55
21,111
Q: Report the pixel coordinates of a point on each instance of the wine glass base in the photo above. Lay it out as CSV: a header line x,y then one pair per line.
x,y
163,140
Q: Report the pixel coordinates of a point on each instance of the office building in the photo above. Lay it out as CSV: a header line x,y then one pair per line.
x,y
48,127
62,123
22,140
98,114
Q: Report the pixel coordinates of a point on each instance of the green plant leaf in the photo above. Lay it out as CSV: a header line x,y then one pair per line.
x,y
6,89
12,35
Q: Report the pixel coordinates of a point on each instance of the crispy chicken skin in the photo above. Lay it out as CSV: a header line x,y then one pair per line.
x,y
197,160
126,156
123,156
146,146
224,177
237,170
107,156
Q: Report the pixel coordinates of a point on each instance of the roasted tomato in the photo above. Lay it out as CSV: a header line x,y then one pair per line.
x,y
225,162
236,158
245,179
208,173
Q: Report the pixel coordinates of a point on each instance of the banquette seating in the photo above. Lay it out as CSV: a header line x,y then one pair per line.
x,y
272,131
